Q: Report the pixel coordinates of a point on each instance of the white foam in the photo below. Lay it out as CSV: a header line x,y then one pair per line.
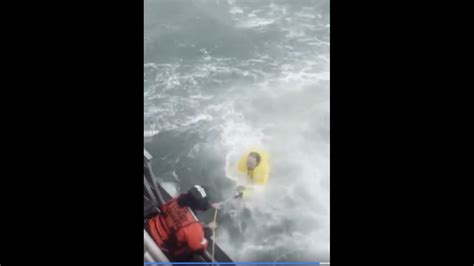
x,y
150,133
196,119
236,10
171,188
255,23
295,33
175,176
202,97
306,15
310,220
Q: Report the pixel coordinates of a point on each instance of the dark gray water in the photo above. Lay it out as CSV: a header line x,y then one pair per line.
x,y
221,76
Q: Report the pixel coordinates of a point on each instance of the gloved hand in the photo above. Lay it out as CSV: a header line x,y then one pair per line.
x,y
217,205
212,225
239,192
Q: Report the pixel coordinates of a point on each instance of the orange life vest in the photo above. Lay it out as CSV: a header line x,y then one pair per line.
x,y
164,226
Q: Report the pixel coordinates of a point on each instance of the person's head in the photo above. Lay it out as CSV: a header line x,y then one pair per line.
x,y
196,198
253,160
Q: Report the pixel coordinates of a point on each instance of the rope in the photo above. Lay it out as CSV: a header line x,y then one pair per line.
x,y
214,235
215,225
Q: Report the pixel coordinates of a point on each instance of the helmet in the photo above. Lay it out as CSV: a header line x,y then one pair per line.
x,y
198,198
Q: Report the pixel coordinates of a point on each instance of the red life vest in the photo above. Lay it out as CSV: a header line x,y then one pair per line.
x,y
163,227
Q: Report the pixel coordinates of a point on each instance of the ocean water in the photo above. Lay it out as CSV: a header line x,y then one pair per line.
x,y
221,76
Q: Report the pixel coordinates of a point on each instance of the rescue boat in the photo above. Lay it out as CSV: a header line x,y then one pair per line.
x,y
154,195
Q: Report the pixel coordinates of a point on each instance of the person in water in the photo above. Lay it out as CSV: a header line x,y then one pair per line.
x,y
254,165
